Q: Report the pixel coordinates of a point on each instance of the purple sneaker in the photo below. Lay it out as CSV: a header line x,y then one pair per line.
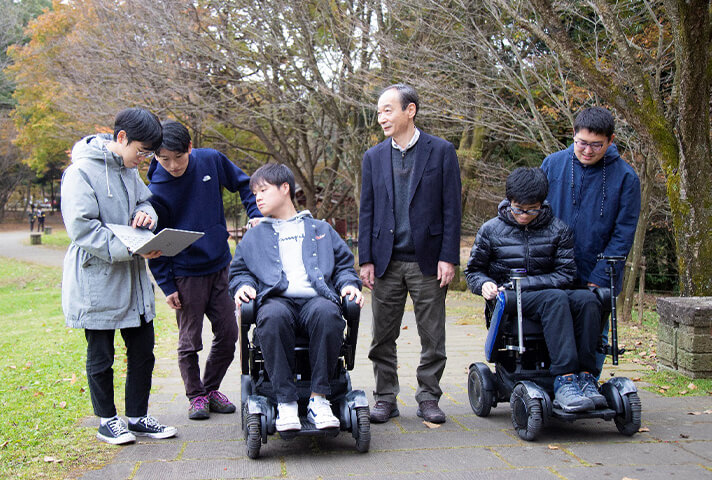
x,y
219,403
199,408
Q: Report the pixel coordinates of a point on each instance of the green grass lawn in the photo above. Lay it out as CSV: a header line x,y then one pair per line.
x,y
58,238
43,386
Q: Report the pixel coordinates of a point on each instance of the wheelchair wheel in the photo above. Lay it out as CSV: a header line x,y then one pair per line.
x,y
253,435
363,440
526,413
481,399
629,422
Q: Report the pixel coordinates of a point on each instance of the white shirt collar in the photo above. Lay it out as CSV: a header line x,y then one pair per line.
x,y
413,141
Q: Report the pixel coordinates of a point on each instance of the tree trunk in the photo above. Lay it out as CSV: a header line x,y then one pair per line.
x,y
470,152
689,183
626,298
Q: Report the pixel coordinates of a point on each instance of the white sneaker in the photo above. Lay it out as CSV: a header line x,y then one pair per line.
x,y
320,413
288,417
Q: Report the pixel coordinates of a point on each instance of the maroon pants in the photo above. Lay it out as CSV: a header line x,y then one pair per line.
x,y
205,296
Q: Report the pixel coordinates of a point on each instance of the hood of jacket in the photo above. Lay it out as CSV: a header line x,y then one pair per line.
x,y
298,216
92,149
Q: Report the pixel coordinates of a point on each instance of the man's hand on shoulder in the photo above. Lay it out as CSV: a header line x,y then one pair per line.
x,y
173,301
244,295
446,272
368,275
353,294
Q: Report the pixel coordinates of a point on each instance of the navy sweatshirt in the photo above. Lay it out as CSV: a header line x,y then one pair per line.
x,y
601,203
193,201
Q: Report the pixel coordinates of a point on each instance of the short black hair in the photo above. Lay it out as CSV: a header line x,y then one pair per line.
x,y
407,95
176,137
527,186
273,174
140,126
597,120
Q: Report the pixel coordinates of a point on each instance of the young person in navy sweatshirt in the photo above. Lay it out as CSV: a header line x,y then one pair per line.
x,y
187,185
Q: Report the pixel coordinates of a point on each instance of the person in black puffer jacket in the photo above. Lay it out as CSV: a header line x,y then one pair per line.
x,y
525,234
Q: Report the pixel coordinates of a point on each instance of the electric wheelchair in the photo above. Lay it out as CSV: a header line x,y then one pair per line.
x,y
258,403
517,348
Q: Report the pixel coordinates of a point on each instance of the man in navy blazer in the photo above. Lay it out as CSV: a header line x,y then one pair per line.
x,y
409,242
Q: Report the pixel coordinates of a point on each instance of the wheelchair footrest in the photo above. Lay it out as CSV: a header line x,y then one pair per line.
x,y
309,429
603,413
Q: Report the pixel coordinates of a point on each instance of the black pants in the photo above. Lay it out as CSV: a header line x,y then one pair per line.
x,y
201,296
279,319
139,343
570,339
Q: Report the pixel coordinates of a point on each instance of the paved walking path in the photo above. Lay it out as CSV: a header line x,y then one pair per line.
x,y
674,443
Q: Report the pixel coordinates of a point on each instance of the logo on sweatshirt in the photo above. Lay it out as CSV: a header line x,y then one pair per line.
x,y
319,237
206,178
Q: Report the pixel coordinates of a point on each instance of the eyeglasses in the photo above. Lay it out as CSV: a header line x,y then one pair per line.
x,y
521,211
595,147
146,155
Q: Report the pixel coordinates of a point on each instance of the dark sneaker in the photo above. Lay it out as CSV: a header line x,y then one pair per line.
x,y
429,411
199,408
217,402
115,432
568,395
383,411
589,387
149,427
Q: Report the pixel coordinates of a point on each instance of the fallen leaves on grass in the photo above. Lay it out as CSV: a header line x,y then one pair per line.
x,y
692,386
49,459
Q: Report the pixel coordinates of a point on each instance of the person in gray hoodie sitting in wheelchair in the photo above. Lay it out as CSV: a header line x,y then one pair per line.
x,y
296,269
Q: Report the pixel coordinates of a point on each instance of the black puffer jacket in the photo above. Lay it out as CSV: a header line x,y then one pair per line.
x,y
544,247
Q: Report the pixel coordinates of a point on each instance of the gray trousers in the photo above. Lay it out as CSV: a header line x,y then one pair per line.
x,y
388,301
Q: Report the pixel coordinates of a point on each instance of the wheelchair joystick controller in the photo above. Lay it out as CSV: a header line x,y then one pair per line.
x,y
516,275
611,260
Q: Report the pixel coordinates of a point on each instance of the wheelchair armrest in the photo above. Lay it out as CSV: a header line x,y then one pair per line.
x,y
248,316
603,294
510,302
248,313
352,314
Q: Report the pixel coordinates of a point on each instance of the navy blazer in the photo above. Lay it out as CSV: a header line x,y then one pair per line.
x,y
435,208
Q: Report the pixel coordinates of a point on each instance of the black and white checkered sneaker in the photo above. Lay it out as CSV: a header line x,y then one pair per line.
x,y
149,427
115,432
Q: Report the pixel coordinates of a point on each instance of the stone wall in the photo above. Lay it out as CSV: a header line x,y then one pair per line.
x,y
685,335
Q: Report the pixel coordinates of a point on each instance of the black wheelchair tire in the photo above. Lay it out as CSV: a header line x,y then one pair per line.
x,y
253,435
363,424
629,423
527,416
481,399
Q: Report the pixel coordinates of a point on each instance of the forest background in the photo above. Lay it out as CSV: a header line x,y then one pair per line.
x,y
296,81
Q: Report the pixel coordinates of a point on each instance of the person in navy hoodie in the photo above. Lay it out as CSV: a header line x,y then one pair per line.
x,y
595,192
187,188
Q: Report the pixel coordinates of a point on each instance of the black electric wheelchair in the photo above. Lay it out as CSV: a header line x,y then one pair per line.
x,y
258,403
517,348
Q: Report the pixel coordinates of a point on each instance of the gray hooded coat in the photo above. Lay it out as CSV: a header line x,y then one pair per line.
x,y
104,287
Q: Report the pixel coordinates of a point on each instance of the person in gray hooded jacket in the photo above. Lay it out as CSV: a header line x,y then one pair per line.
x,y
104,286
